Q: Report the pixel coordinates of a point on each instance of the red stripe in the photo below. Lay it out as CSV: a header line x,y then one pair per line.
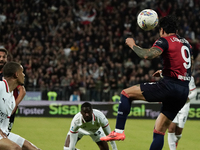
x,y
93,117
6,85
106,125
158,132
8,116
125,94
73,132
192,89
83,120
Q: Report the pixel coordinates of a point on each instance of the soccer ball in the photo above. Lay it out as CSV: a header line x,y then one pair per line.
x,y
147,19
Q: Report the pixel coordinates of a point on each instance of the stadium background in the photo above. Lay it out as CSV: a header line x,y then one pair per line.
x,y
67,45
78,45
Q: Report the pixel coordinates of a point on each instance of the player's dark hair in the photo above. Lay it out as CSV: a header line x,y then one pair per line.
x,y
169,24
3,50
10,69
86,104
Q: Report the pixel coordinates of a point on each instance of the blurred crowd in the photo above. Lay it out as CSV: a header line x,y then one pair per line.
x,y
79,45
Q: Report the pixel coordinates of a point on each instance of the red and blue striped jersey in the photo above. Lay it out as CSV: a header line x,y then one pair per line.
x,y
176,56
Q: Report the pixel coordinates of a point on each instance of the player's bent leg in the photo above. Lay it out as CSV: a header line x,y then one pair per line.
x,y
6,144
103,145
161,125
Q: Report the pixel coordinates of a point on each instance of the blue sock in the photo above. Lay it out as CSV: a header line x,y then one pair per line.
x,y
158,141
123,111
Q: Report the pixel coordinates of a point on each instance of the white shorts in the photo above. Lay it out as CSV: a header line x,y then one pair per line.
x,y
182,115
94,135
16,138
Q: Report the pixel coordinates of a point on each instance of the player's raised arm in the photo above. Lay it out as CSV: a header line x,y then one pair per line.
x,y
144,53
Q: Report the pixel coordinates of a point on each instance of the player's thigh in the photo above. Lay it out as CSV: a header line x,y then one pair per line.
x,y
134,92
6,144
16,138
182,119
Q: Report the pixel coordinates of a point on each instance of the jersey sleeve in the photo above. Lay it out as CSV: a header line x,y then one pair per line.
x,y
162,44
75,124
192,87
103,120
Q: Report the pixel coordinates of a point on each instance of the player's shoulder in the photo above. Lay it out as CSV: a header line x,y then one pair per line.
x,y
77,119
2,85
97,112
77,116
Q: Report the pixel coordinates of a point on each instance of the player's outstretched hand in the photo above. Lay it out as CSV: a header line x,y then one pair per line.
x,y
158,73
130,42
3,134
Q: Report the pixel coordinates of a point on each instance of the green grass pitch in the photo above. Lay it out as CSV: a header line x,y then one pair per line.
x,y
50,134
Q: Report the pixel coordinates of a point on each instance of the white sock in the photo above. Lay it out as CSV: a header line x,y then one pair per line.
x,y
119,130
172,141
178,137
66,148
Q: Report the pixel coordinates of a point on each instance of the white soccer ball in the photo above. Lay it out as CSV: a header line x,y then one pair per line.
x,y
147,19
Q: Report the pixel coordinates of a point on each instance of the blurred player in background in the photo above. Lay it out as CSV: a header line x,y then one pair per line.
x,y
172,90
90,122
176,127
13,76
18,93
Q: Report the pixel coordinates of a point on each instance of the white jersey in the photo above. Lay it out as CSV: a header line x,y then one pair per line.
x,y
192,87
182,115
7,104
98,120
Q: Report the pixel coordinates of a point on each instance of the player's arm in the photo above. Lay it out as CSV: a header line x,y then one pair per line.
x,y
143,53
193,90
158,73
192,94
72,136
3,134
107,130
22,93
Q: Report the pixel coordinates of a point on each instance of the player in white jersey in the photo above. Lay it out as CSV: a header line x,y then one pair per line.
x,y
13,76
176,127
90,122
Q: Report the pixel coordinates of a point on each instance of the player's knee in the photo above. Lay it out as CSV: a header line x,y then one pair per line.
x,y
125,93
158,132
171,130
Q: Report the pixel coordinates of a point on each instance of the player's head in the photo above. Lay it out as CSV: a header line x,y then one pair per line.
x,y
168,24
86,111
3,57
14,70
